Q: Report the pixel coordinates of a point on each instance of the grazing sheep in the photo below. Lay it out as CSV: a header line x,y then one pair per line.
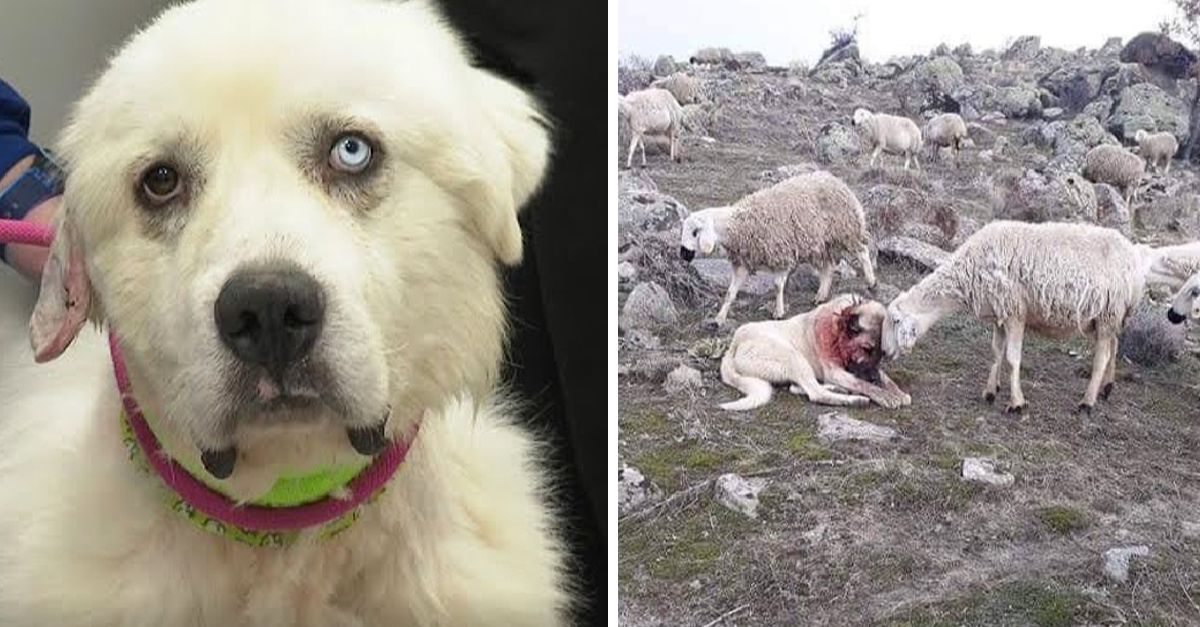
x,y
1116,166
808,218
946,130
686,89
652,112
1171,266
1186,302
890,133
1155,147
1055,279
819,353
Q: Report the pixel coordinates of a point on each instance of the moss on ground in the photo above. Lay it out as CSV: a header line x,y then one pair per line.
x,y
1016,603
1061,519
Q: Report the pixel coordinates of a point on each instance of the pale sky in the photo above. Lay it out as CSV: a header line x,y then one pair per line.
x,y
785,30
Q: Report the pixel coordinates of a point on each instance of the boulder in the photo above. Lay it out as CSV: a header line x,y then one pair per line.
x,y
1018,101
1159,52
941,75
751,60
1111,48
1074,88
1034,197
1116,561
836,427
838,143
645,211
1146,106
719,272
712,56
1111,209
665,65
739,493
978,470
648,306
923,255
696,119
1023,49
634,490
684,379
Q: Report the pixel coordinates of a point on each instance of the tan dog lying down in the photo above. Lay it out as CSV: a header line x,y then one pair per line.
x,y
830,354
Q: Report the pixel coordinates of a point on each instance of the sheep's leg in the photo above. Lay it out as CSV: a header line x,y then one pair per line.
x,y
739,275
875,155
826,283
780,282
1167,170
868,269
993,382
1110,372
907,159
1100,359
1014,332
916,160
632,146
642,142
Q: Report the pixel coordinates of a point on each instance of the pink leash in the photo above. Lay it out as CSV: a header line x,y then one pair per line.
x,y
192,490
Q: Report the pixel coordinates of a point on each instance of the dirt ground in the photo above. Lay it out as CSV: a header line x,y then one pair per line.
x,y
888,534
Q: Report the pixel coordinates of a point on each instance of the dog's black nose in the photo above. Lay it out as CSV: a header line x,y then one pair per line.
x,y
687,255
1174,317
270,316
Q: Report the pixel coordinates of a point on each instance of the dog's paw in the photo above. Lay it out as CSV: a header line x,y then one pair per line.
x,y
1015,409
1106,390
989,397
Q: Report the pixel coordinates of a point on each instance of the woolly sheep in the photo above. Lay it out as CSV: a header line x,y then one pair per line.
x,y
1116,166
652,111
890,133
1052,278
1155,147
946,130
808,218
686,89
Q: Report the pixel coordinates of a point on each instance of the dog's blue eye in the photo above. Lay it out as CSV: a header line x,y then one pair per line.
x,y
350,153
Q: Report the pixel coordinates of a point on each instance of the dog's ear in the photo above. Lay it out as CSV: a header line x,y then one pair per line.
x,y
505,164
853,324
65,299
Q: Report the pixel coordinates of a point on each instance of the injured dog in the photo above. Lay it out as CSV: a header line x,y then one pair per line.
x,y
823,354
290,214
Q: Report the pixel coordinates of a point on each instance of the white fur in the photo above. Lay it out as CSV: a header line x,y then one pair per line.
x,y
892,134
415,320
652,111
1157,148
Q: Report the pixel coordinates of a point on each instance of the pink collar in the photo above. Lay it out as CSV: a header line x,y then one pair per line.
x,y
216,505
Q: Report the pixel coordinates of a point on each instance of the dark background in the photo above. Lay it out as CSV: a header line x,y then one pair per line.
x,y
559,351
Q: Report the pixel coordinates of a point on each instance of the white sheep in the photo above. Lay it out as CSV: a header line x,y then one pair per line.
x,y
890,133
808,218
947,130
1052,278
1116,166
1186,302
652,111
1155,147
1171,266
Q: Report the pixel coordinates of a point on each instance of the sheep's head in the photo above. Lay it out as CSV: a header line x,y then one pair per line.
x,y
1186,301
698,233
901,327
1140,135
861,115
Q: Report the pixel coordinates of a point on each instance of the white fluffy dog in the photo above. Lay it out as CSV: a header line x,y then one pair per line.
x,y
290,213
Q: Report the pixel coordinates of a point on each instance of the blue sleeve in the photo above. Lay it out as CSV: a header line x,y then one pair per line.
x,y
14,128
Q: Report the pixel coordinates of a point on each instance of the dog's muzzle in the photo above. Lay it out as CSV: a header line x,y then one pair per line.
x,y
686,254
1174,317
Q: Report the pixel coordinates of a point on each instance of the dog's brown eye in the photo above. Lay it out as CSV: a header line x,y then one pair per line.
x,y
161,183
350,153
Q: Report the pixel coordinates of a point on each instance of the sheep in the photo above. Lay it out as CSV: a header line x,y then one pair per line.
x,y
1171,266
686,89
807,218
894,134
1052,278
1157,146
652,112
1116,166
946,130
1186,302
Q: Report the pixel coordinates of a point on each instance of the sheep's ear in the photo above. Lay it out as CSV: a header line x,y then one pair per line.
x,y
504,164
65,298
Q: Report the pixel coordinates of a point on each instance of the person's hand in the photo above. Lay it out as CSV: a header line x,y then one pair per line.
x,y
29,260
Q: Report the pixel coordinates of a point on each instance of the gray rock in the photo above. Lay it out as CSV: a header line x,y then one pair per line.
x,y
1052,113
626,271
983,136
645,212
750,60
634,490
1018,101
712,56
665,65
924,255
836,427
978,470
1160,52
963,51
718,272
643,339
1146,106
943,75
648,306
696,119
1023,49
838,143
1034,197
1116,561
683,379
1112,47
1072,138
1111,210
1099,108
1074,88
739,493
1118,78
784,172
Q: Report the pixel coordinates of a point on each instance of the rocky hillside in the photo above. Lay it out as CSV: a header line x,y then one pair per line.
x,y
770,517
